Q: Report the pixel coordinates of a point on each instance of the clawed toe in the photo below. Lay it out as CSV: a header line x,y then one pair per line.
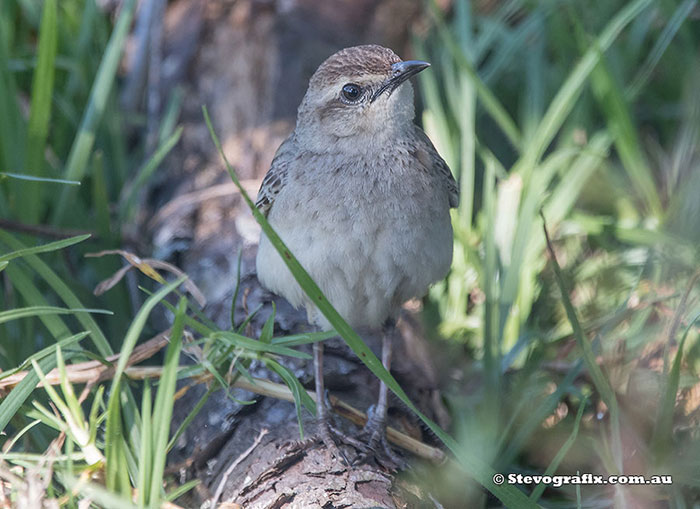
x,y
325,433
377,447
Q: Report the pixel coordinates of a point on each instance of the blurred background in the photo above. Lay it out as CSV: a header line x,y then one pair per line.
x,y
580,354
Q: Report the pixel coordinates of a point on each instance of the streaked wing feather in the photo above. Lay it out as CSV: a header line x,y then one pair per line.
x,y
274,180
439,165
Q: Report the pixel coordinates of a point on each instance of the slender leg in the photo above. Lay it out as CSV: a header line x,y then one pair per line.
x,y
380,412
376,422
324,429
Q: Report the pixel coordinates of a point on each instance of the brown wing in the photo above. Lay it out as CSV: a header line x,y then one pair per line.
x,y
436,163
274,180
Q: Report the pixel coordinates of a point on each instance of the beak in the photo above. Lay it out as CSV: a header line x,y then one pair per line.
x,y
401,71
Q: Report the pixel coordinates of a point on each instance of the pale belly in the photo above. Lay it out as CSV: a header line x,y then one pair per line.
x,y
367,258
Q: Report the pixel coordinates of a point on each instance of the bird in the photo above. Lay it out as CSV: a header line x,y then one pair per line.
x,y
362,198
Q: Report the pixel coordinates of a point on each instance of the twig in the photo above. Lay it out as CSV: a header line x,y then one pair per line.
x,y
232,466
94,371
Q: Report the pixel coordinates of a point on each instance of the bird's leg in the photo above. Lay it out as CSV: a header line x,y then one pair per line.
x,y
322,415
375,428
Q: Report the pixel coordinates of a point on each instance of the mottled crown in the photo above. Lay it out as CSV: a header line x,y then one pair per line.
x,y
370,59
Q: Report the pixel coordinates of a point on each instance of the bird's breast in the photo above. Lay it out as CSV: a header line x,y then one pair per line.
x,y
371,233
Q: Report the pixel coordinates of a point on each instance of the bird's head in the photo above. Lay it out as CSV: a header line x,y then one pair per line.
x,y
359,93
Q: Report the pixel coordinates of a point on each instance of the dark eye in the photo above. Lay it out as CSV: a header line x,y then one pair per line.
x,y
351,92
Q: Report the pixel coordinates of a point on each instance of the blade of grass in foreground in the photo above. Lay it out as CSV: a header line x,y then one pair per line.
x,y
257,346
44,248
301,397
163,408
145,454
303,338
533,421
15,314
45,180
116,473
474,466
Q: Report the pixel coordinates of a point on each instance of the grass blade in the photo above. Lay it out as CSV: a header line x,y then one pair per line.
x,y
599,379
561,454
621,126
63,291
303,338
537,415
12,126
163,409
75,338
136,328
55,325
146,455
491,104
44,248
269,326
663,429
116,473
301,397
82,145
40,112
96,493
32,178
190,417
565,98
654,56
15,314
127,203
257,346
13,401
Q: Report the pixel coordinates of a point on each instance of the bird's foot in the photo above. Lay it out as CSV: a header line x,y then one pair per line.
x,y
332,437
326,435
377,446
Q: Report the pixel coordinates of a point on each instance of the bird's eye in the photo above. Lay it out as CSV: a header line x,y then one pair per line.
x,y
351,92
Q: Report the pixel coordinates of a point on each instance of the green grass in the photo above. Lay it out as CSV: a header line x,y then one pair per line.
x,y
565,137
583,117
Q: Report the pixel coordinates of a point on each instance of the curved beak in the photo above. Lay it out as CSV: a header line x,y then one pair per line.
x,y
401,71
